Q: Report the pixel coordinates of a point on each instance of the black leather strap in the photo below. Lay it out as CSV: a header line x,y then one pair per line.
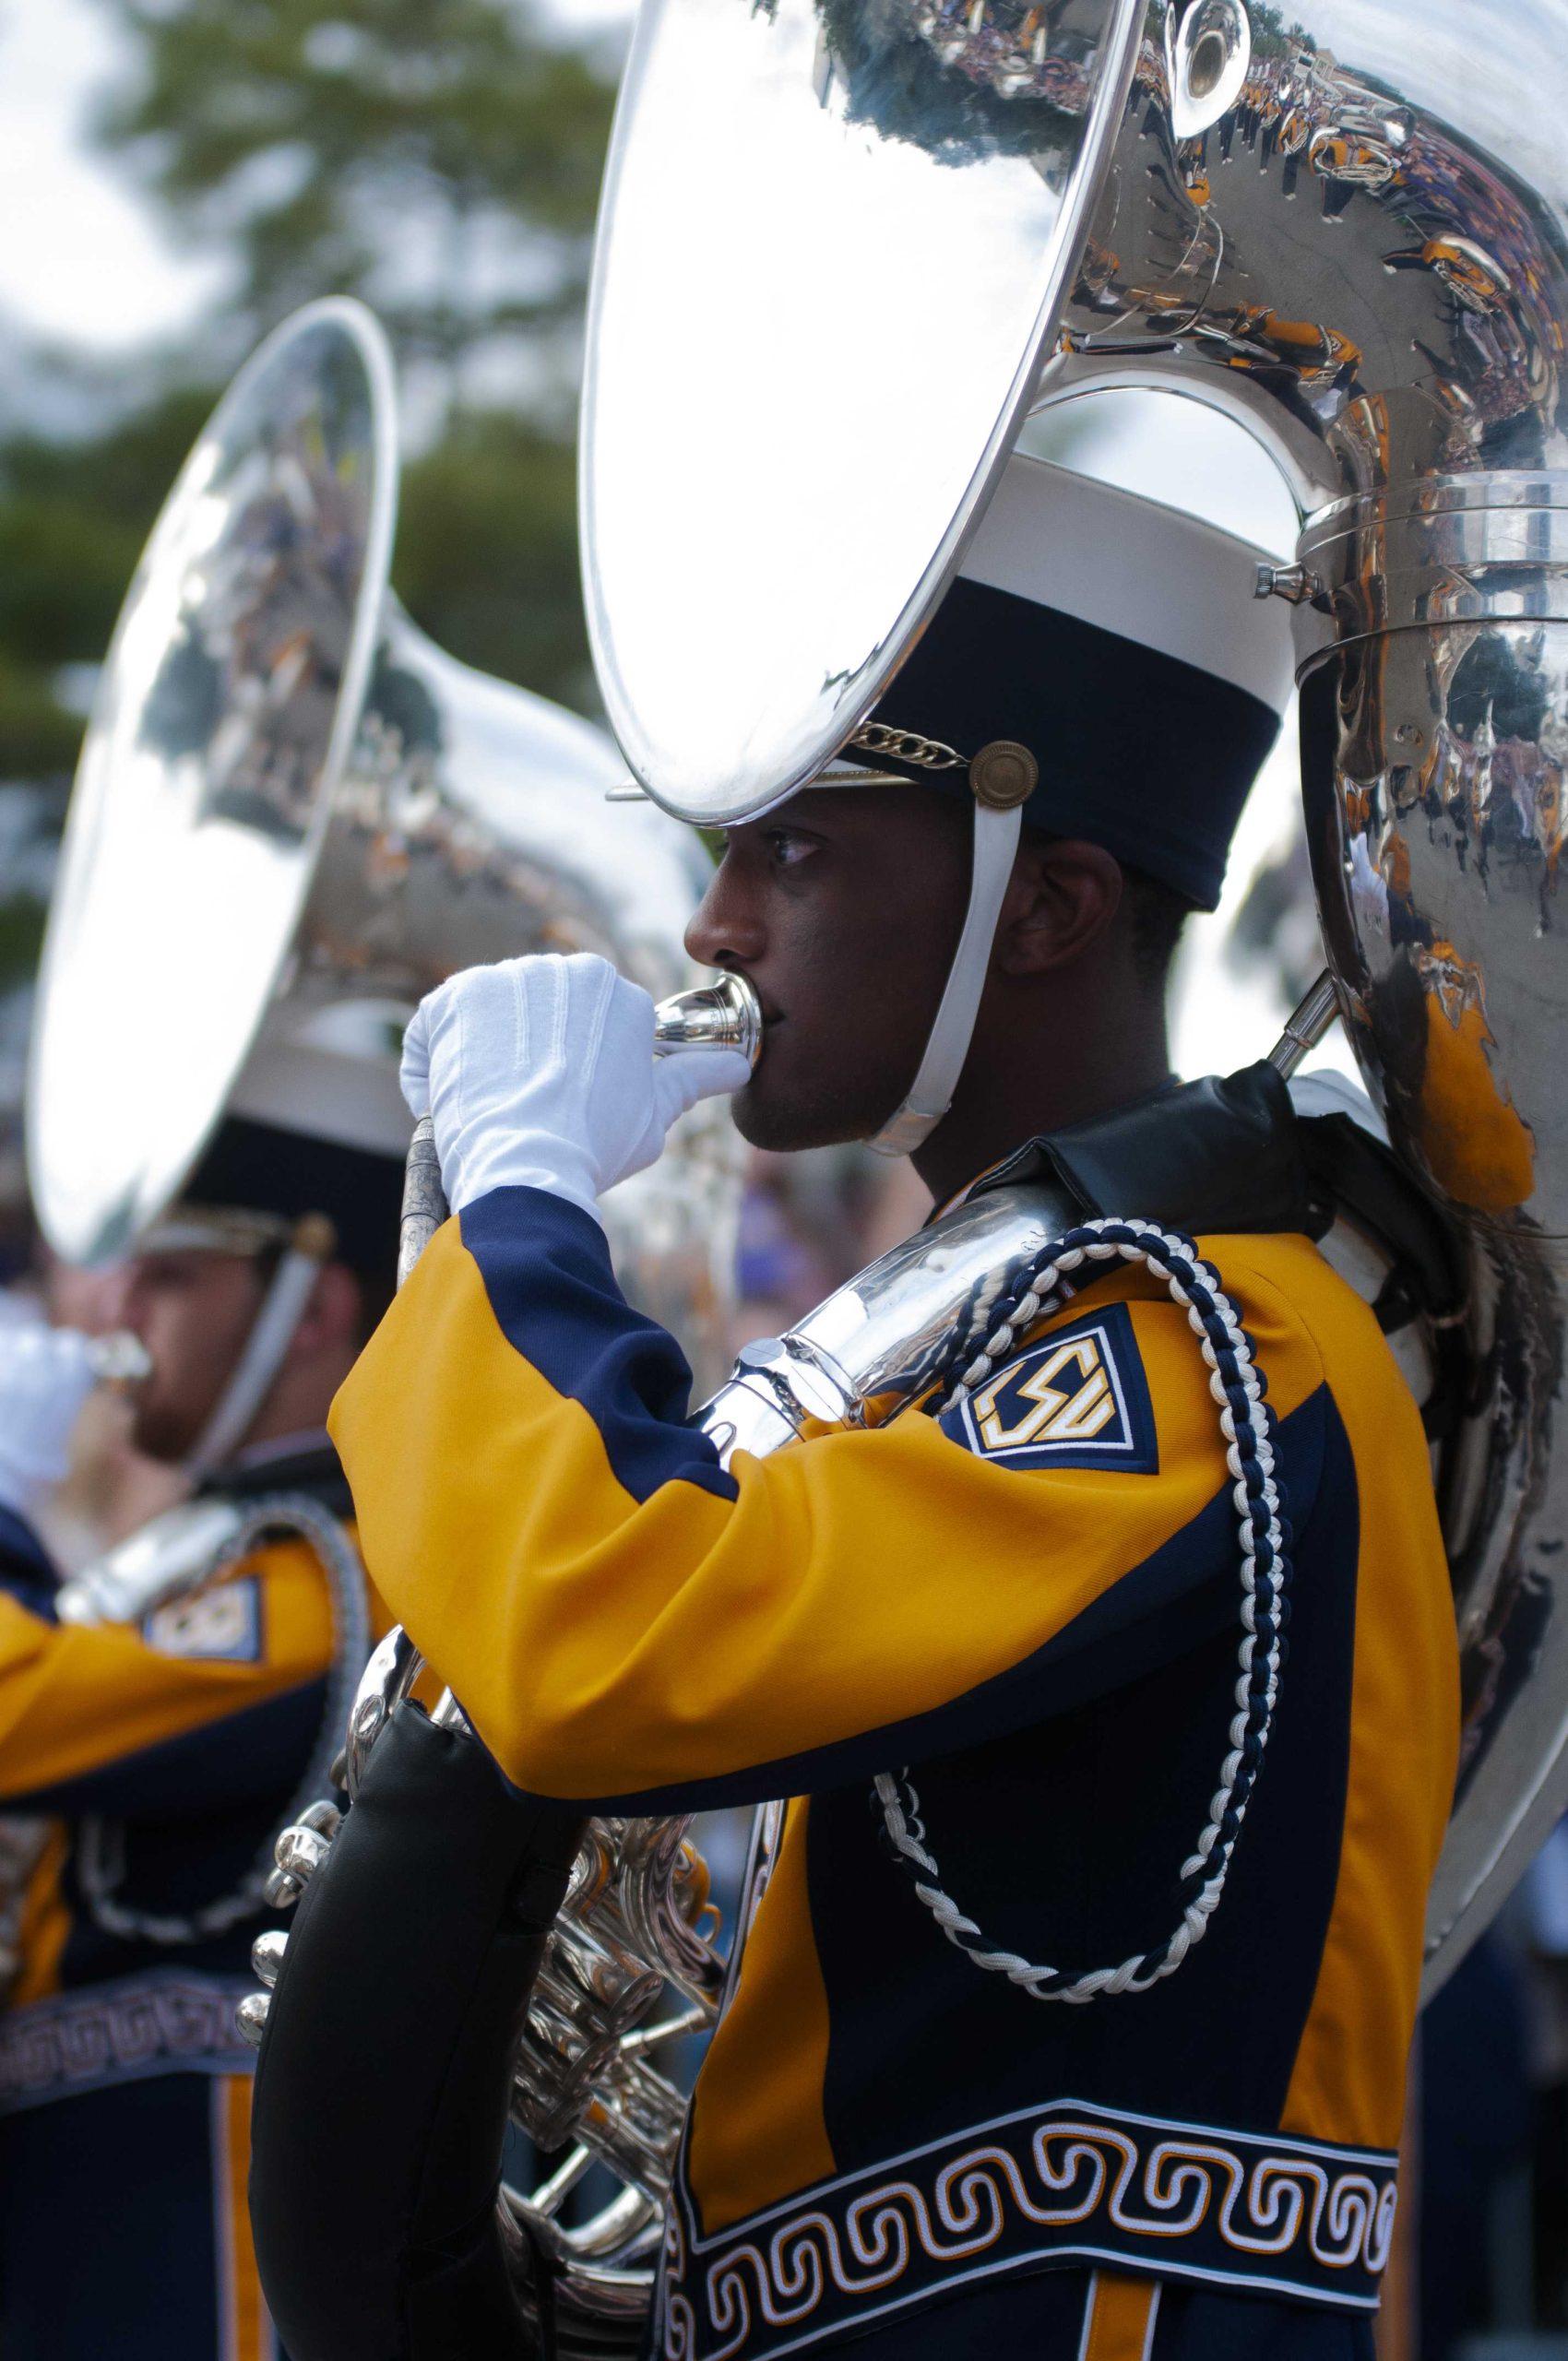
x,y
1219,1155
1353,1172
314,1469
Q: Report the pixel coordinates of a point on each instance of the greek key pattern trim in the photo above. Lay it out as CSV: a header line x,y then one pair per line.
x,y
1053,2185
161,2023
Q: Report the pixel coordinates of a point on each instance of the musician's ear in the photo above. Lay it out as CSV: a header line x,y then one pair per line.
x,y
333,1320
1061,897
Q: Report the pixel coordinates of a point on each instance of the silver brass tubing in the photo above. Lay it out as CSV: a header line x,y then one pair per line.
x,y
424,1201
119,1359
1305,1027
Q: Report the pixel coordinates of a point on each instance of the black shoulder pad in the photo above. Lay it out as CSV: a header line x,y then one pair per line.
x,y
1222,1154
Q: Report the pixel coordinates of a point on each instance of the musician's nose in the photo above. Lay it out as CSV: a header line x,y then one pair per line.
x,y
726,929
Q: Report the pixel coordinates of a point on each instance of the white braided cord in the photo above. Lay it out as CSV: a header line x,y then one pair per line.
x,y
1250,1459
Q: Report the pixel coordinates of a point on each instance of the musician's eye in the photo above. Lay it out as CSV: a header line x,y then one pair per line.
x,y
786,847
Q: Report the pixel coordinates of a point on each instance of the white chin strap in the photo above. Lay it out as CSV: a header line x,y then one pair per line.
x,y
266,1348
931,1093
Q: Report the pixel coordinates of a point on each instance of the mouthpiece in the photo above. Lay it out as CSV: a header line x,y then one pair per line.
x,y
424,1200
119,1359
724,1015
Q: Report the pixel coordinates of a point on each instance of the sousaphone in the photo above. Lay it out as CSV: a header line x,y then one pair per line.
x,y
847,248
294,815
938,220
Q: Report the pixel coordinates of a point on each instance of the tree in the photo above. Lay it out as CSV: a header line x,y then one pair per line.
x,y
486,560
74,514
440,158
487,555
1273,36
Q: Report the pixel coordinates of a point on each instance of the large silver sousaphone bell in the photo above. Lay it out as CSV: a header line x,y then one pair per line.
x,y
294,815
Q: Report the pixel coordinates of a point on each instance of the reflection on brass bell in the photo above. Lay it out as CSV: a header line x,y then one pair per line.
x,y
1003,774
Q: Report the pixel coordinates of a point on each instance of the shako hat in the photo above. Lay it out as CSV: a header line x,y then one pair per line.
x,y
1102,667
1119,642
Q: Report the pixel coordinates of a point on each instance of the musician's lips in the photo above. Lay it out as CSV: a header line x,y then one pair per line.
x,y
771,1014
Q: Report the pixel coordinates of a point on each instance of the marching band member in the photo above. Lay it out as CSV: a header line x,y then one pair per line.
x,y
970,2094
155,1759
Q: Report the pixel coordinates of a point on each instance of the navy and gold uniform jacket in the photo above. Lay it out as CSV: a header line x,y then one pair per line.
x,y
1033,1604
154,1764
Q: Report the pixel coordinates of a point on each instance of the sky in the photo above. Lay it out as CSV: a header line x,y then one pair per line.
x,y
84,262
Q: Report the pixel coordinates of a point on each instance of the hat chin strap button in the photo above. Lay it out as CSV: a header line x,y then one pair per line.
x,y
1002,775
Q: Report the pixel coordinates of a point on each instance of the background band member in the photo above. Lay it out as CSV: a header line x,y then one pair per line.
x,y
155,1759
925,2121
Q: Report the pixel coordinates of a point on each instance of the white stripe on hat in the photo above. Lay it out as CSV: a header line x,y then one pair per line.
x,y
331,1076
1131,565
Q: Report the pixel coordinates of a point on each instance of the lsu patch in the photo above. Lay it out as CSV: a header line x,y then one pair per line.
x,y
222,1625
1079,1398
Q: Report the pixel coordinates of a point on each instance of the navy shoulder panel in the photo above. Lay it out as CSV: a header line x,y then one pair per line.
x,y
27,1571
546,1270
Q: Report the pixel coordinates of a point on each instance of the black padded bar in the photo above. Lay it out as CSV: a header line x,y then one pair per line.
x,y
382,2084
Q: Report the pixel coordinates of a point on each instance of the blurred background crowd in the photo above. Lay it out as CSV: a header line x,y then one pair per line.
x,y
181,174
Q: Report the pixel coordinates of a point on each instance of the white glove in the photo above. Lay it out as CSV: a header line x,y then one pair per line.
x,y
45,1376
541,1072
